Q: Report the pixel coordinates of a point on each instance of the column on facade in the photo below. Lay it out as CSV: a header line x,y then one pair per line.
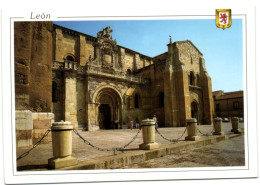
x,y
84,56
114,60
122,58
71,98
170,101
91,108
97,54
183,96
208,103
136,62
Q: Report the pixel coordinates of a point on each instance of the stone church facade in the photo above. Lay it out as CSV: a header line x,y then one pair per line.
x,y
96,84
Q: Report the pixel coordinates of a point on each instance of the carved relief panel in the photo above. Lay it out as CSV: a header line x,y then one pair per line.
x,y
106,50
107,55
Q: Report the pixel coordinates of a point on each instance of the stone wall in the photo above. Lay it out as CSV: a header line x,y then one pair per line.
x,y
71,99
58,95
129,59
42,121
186,81
86,50
64,44
81,101
189,55
145,62
23,128
31,126
22,57
227,109
21,101
41,67
33,65
183,96
208,103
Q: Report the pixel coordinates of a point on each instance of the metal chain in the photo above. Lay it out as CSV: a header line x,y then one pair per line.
x,y
205,134
171,140
105,149
132,139
34,146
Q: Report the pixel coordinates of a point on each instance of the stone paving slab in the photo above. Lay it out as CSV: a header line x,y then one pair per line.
x,y
38,158
225,153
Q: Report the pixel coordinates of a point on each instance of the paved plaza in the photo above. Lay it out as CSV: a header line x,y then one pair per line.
x,y
108,139
224,153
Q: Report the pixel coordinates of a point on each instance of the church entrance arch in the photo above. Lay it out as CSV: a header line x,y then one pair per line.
x,y
109,108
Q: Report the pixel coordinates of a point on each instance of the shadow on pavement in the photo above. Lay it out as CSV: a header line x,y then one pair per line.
x,y
33,167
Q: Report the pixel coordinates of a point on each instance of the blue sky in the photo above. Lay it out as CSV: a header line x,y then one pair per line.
x,y
222,49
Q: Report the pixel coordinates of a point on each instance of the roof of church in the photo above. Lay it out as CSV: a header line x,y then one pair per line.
x,y
94,39
191,44
162,56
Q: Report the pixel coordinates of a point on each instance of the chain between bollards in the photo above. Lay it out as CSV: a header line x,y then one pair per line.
x,y
34,146
171,140
107,149
206,134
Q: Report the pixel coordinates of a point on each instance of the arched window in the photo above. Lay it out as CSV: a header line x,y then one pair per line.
x,y
70,58
136,101
128,72
198,80
70,62
161,99
54,92
192,78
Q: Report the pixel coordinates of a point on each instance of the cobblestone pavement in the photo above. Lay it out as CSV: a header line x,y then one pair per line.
x,y
225,153
38,157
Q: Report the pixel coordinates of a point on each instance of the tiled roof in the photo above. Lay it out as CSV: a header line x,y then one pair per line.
x,y
229,95
162,56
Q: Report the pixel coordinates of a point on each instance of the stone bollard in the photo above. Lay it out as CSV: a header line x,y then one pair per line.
x,y
62,145
218,127
148,131
192,130
235,127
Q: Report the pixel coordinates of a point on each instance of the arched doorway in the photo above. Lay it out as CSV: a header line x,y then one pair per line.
x,y
104,116
194,110
109,108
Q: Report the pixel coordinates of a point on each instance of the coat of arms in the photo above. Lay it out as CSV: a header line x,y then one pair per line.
x,y
223,18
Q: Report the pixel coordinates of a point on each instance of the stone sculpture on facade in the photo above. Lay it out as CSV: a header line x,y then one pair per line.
x,y
106,32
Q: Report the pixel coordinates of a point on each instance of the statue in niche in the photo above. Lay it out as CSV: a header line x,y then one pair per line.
x,y
90,59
